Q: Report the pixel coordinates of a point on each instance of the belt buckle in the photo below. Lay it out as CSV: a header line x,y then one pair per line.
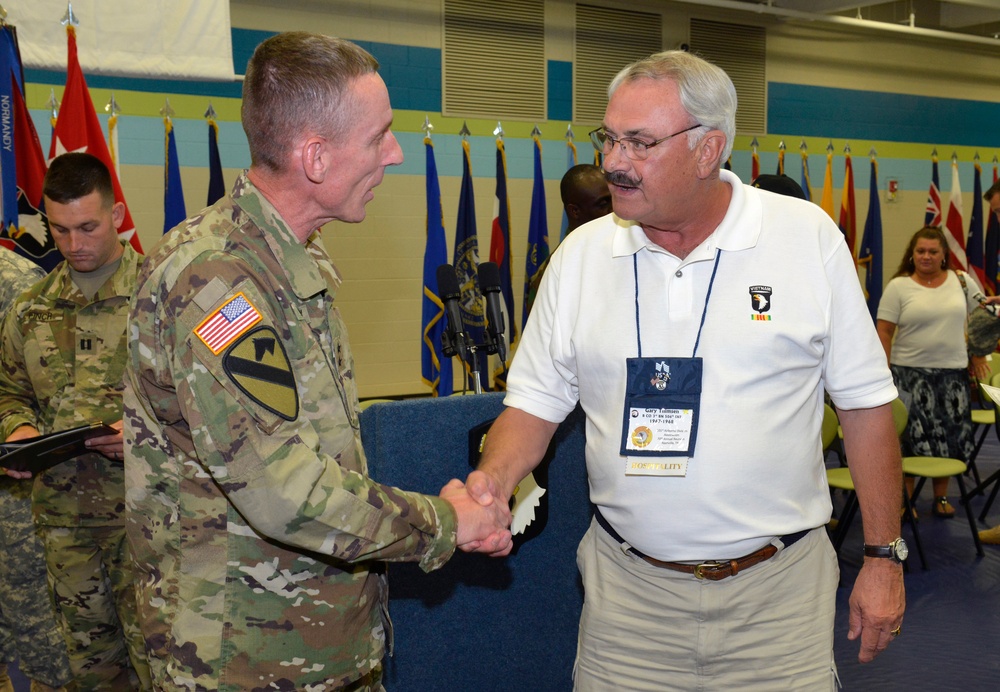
x,y
699,569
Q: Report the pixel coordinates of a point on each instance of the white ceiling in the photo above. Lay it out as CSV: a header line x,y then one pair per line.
x,y
973,17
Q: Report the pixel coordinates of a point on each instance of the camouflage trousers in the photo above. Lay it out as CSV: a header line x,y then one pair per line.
x,y
93,586
28,629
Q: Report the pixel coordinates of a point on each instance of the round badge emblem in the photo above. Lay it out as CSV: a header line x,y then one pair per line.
x,y
642,436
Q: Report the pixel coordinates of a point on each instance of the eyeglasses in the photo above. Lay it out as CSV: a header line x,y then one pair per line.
x,y
632,148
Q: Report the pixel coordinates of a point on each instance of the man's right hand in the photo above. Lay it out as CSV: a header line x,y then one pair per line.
x,y
482,527
22,432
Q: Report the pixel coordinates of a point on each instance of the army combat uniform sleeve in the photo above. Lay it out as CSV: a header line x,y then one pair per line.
x,y
16,393
242,367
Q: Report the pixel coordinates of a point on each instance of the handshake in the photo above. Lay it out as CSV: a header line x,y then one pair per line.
x,y
483,514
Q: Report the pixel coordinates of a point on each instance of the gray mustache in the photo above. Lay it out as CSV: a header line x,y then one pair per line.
x,y
620,178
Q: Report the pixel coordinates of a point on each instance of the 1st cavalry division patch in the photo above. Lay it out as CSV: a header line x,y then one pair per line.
x,y
258,365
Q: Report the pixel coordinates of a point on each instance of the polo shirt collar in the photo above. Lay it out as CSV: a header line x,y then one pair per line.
x,y
739,229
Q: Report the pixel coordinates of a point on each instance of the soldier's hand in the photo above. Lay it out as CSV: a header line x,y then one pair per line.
x,y
482,529
110,446
22,432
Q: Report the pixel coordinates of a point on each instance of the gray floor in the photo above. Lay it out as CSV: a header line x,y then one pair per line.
x,y
952,624
951,630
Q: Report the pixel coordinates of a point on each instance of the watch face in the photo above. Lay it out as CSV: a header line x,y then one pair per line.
x,y
900,548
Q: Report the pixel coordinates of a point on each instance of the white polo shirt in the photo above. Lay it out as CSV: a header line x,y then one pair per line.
x,y
757,470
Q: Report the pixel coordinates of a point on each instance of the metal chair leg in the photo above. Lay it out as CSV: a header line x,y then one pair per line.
x,y
911,520
972,519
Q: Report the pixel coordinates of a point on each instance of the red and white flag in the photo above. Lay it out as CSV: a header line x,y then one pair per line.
x,y
954,230
78,129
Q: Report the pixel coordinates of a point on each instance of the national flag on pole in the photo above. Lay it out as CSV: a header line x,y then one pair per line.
x,y
754,164
870,252
826,201
848,215
24,229
806,187
78,129
538,230
991,259
974,245
174,211
781,161
500,254
435,368
570,162
216,183
954,230
467,266
932,213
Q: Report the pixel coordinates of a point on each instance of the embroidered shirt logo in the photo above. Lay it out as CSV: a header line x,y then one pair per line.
x,y
227,323
760,299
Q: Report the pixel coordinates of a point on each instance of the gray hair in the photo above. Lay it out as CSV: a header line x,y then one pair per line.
x,y
707,93
298,82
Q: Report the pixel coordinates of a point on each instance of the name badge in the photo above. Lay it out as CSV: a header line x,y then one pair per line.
x,y
662,404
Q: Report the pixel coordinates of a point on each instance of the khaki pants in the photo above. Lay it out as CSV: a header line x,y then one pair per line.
x,y
649,628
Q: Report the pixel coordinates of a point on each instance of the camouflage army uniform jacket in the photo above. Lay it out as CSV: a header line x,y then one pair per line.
x,y
17,274
252,519
63,364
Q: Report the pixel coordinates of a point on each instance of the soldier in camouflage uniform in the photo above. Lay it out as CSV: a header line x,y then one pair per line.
x,y
63,350
255,527
27,624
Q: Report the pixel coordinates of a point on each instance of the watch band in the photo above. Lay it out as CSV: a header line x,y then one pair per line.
x,y
879,551
896,551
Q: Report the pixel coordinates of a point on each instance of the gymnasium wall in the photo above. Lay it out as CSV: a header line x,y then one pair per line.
x,y
900,95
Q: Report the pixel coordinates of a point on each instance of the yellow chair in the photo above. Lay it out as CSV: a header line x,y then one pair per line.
x,y
994,479
984,418
368,402
923,468
840,479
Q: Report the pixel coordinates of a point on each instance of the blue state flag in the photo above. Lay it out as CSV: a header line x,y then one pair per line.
x,y
500,255
216,183
174,210
974,241
10,79
806,186
991,261
870,252
466,263
538,231
435,368
570,162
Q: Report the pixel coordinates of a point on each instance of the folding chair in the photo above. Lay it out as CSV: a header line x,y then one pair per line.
x,y
840,479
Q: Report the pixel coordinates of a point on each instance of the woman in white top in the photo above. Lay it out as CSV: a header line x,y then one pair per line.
x,y
925,307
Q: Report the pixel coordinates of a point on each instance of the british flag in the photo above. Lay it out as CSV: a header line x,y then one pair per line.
x,y
932,217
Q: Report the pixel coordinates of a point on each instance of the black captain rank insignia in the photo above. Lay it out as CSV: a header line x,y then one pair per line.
x,y
258,365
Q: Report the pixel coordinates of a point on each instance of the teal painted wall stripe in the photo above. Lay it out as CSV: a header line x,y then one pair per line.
x,y
412,74
811,111
560,96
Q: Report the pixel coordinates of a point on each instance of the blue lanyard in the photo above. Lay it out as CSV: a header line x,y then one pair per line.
x,y
704,310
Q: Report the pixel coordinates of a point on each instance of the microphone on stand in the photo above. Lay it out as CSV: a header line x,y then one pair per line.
x,y
489,285
453,339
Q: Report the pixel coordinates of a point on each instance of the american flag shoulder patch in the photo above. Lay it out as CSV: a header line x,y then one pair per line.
x,y
227,323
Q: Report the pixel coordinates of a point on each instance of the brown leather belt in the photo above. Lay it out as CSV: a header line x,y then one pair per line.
x,y
713,570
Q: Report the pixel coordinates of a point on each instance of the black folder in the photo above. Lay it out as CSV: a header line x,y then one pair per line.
x,y
37,454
